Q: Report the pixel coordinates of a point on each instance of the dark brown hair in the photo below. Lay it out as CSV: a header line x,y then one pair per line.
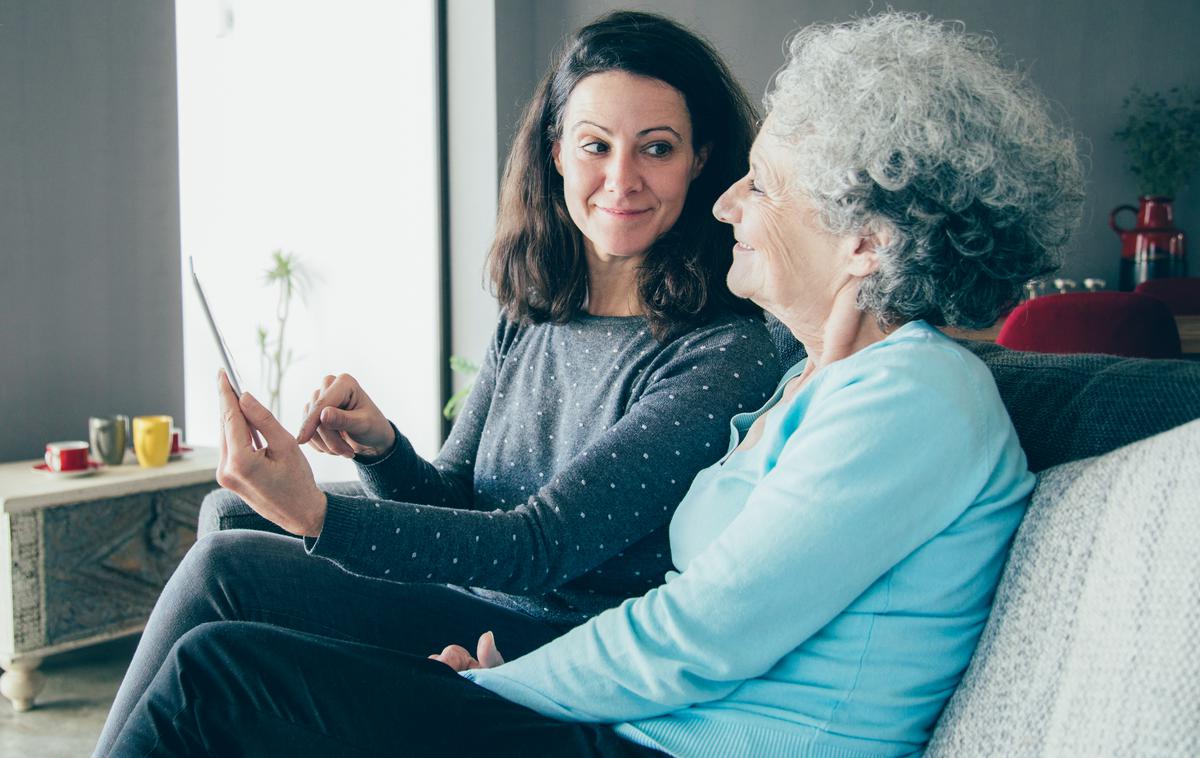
x,y
537,264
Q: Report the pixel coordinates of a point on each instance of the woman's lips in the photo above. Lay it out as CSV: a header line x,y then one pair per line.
x,y
742,247
625,213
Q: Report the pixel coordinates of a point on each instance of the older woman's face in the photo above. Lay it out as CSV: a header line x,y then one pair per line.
x,y
784,260
626,160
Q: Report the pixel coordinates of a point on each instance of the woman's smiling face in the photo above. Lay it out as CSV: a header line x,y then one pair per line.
x,y
626,158
783,259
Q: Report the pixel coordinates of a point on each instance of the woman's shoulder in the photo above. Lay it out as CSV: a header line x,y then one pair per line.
x,y
919,348
723,341
725,331
918,360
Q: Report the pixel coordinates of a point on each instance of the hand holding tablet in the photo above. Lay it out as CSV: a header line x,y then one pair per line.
x,y
274,479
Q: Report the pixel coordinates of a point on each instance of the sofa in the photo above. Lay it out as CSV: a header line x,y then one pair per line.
x,y
1093,644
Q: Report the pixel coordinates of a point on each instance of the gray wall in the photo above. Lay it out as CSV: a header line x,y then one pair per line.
x,y
1084,56
90,318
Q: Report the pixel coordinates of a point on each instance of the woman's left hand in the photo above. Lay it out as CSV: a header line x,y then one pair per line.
x,y
457,657
276,481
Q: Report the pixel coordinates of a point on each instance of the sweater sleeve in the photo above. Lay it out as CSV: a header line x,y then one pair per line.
x,y
860,483
610,494
448,480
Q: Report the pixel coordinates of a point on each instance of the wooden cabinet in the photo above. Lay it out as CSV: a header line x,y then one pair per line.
x,y
83,560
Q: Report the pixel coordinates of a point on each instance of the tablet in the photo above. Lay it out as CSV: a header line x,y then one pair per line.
x,y
226,358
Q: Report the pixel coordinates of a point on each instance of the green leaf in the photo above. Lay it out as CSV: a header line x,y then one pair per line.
x,y
455,404
460,365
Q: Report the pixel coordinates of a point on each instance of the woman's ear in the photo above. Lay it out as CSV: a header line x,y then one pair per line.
x,y
700,159
556,154
864,260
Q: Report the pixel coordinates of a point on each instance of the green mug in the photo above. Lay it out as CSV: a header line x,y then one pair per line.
x,y
109,436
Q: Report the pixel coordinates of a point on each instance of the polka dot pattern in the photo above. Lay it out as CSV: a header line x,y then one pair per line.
x,y
561,473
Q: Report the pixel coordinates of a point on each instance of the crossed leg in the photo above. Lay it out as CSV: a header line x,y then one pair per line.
x,y
249,576
251,689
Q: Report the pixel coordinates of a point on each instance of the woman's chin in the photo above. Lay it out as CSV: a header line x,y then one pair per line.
x,y
622,249
743,283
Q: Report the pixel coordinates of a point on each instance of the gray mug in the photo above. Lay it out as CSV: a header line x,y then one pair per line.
x,y
109,436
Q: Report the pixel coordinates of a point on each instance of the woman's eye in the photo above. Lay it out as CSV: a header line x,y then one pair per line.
x,y
595,148
753,187
659,149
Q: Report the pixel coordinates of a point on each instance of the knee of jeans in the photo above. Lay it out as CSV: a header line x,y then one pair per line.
x,y
216,508
211,559
207,643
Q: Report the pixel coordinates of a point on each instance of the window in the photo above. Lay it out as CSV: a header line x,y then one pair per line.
x,y
311,127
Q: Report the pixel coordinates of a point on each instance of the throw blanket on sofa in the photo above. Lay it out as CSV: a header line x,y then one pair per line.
x,y
1093,645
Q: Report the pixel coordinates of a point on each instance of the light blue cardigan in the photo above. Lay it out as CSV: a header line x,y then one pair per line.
x,y
833,579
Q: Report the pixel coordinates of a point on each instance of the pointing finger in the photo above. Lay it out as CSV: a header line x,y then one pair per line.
x,y
320,399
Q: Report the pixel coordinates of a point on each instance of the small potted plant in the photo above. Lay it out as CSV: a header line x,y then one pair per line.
x,y
1161,136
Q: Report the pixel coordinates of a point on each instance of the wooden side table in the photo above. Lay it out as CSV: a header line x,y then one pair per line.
x,y
83,560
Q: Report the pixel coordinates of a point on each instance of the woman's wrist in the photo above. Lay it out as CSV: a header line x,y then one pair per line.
x,y
376,453
317,519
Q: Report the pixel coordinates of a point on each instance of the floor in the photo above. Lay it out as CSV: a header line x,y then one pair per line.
x,y
67,716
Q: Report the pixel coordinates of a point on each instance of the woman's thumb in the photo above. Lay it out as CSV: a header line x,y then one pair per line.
x,y
487,653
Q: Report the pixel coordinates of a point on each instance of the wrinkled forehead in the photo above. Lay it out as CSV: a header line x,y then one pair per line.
x,y
772,151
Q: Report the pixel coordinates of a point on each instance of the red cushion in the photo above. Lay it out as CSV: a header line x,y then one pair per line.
x,y
1181,294
1116,323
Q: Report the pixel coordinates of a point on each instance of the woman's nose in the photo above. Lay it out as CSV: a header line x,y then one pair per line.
x,y
726,207
623,176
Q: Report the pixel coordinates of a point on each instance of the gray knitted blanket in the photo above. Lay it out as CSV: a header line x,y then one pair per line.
x,y
1093,645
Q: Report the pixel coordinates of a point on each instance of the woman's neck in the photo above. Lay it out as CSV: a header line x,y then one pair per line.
x,y
612,286
829,345
840,333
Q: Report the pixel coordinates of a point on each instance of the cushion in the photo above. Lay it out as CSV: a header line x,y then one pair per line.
x,y
1093,644
1116,323
1067,407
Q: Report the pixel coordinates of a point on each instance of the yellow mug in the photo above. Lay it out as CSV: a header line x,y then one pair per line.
x,y
152,440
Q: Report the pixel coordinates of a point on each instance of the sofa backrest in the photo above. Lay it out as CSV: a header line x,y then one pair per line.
x,y
1093,644
1067,407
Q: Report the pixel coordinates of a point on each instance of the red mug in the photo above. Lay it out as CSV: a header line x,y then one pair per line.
x,y
176,440
67,456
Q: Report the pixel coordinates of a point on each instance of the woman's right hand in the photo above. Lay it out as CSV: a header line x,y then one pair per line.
x,y
342,420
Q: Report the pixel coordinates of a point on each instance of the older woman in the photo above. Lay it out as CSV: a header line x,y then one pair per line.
x,y
836,567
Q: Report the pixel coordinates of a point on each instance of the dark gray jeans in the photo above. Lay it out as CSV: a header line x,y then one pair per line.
x,y
239,689
250,575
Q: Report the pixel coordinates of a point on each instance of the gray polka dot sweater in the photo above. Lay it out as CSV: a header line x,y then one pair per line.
x,y
553,493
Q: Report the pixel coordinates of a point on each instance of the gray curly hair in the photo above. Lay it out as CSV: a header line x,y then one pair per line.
x,y
911,126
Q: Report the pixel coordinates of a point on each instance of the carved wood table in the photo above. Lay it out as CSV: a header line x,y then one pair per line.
x,y
82,560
